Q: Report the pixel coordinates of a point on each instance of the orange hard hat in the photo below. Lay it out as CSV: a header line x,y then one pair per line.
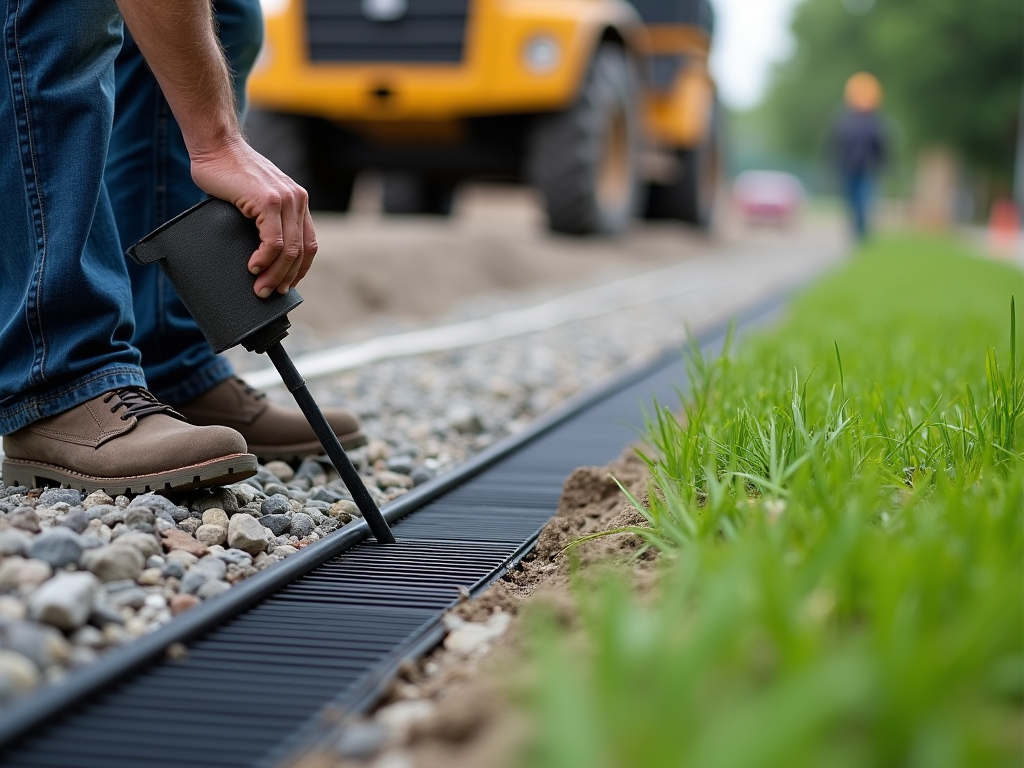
x,y
863,92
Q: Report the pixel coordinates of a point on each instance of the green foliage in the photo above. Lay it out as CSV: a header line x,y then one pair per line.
x,y
952,72
841,514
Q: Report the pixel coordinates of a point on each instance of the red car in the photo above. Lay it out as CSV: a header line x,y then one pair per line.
x,y
768,197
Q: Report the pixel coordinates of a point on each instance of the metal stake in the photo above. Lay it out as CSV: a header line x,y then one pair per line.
x,y
297,386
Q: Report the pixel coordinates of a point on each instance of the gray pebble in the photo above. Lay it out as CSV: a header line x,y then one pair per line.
x,y
302,525
330,494
361,740
156,502
89,541
43,644
97,511
245,493
421,474
264,476
155,561
114,562
192,581
190,525
146,543
235,556
313,470
135,597
323,506
14,542
212,588
277,504
57,495
272,489
57,546
211,566
77,520
277,524
140,519
111,517
103,613
13,490
403,464
221,498
172,570
252,482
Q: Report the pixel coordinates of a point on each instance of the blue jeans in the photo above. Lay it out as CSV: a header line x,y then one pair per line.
x,y
858,189
149,180
66,319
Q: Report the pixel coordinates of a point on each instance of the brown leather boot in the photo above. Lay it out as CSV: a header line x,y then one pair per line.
x,y
124,441
270,430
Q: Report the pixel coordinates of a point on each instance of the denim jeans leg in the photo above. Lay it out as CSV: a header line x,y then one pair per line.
x,y
65,303
149,178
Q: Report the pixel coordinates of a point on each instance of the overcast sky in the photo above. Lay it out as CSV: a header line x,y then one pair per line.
x,y
750,35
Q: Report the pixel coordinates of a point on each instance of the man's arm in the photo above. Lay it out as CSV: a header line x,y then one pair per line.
x,y
180,45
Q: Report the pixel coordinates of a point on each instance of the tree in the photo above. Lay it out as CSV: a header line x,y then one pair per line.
x,y
952,72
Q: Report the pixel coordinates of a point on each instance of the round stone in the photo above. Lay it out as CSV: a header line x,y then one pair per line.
x,y
302,525
277,504
113,562
76,519
277,524
216,516
57,546
246,533
212,535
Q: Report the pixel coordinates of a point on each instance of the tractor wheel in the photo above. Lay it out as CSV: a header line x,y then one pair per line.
x,y
302,147
692,196
585,160
407,193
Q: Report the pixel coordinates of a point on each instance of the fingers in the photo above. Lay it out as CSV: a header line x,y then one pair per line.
x,y
309,249
284,254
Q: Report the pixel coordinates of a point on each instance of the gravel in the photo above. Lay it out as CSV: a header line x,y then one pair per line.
x,y
81,575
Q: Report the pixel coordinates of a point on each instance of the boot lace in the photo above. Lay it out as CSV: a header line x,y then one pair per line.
x,y
137,402
252,392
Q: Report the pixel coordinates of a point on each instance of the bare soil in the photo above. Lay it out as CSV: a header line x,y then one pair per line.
x,y
456,707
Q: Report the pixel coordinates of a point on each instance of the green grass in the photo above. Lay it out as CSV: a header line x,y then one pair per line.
x,y
841,516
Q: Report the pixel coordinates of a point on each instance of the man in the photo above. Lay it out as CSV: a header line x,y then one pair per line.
x,y
73,402
148,179
859,147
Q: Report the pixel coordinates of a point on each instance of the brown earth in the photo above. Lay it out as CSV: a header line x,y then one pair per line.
x,y
455,708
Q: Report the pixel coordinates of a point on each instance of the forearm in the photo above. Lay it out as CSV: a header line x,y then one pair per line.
x,y
180,45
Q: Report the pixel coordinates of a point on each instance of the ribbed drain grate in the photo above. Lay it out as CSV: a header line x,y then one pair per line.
x,y
246,687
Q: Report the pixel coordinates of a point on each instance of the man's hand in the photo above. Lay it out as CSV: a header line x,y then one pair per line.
x,y
180,46
237,173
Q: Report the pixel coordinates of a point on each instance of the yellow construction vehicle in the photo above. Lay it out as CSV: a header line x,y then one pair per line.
x,y
604,106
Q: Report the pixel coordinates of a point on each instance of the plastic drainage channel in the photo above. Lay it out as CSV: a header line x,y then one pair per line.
x,y
330,625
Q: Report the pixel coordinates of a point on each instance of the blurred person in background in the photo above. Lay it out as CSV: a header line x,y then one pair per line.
x,y
859,148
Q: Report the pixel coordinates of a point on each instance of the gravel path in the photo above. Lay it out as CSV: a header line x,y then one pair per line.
x,y
81,575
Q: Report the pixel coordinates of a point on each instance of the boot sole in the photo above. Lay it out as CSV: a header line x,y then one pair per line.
x,y
222,471
297,451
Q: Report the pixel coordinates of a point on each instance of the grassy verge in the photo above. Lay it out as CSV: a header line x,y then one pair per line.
x,y
842,514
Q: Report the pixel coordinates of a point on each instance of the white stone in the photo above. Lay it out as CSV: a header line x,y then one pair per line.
x,y
475,638
246,533
65,601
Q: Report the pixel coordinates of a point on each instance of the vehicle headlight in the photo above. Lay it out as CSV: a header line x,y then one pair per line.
x,y
542,54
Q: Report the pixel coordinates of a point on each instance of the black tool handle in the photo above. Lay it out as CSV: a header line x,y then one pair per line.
x,y
297,386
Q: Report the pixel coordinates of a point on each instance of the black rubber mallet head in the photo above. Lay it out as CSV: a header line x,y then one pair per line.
x,y
205,252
